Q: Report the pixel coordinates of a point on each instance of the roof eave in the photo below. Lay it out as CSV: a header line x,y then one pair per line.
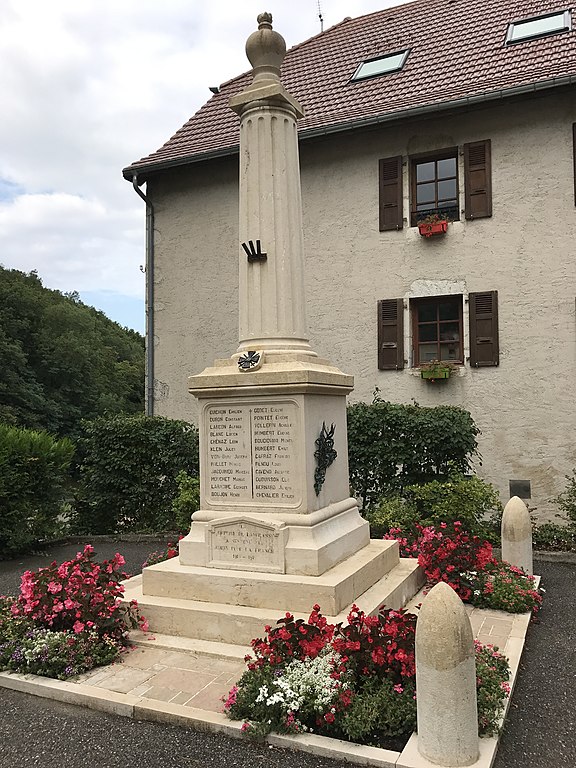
x,y
144,169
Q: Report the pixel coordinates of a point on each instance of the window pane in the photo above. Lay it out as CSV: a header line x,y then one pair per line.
x,y
425,171
426,206
425,193
449,331
428,332
427,313
522,29
447,168
380,66
449,310
447,190
449,351
427,352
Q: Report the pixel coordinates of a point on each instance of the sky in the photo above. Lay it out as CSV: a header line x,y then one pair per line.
x,y
86,88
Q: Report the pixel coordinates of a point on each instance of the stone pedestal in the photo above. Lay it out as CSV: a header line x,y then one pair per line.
x,y
264,505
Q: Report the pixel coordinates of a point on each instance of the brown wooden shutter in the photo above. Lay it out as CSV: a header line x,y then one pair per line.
x,y
477,180
390,180
390,334
484,348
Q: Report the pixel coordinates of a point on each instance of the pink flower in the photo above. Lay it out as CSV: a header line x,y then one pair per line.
x,y
78,627
54,587
398,688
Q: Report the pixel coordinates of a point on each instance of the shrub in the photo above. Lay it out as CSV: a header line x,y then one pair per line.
x,y
391,446
33,480
187,500
567,499
467,499
465,562
32,650
128,473
67,619
551,536
78,595
353,682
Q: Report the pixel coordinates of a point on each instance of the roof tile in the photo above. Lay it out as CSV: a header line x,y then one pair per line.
x,y
457,50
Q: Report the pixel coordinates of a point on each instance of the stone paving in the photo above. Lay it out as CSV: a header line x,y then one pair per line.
x,y
194,679
178,677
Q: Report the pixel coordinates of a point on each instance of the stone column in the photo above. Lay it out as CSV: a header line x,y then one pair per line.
x,y
446,680
271,281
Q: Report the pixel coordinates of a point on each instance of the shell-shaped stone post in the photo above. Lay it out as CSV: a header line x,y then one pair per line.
x,y
517,535
446,680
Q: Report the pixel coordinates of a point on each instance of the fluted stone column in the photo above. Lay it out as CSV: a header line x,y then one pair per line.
x,y
271,287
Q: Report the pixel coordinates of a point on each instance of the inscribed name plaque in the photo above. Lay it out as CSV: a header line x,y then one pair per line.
x,y
244,544
251,454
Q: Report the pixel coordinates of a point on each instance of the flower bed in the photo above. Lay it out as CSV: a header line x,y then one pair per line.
x,y
68,618
354,682
451,554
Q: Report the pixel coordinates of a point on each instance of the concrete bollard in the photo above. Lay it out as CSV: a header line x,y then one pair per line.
x,y
517,535
447,708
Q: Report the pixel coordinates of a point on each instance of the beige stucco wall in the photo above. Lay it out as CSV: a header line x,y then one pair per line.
x,y
524,407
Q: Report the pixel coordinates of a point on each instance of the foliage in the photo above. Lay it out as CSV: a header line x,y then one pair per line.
x,y
79,595
391,446
551,536
187,500
33,479
465,562
458,497
492,687
29,649
128,471
62,361
352,682
160,555
68,618
567,499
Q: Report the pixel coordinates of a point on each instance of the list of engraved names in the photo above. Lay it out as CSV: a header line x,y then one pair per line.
x,y
251,453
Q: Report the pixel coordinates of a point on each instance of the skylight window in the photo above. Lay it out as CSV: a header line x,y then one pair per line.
x,y
518,31
392,62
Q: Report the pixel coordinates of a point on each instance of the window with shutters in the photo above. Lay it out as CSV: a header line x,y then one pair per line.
x,y
434,186
437,330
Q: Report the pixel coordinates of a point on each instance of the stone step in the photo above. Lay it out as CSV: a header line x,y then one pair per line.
x,y
238,625
333,590
189,645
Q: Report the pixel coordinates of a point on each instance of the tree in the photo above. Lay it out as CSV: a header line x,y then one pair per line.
x,y
62,361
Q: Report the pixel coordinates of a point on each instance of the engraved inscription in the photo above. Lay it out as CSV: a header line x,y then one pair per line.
x,y
250,451
247,544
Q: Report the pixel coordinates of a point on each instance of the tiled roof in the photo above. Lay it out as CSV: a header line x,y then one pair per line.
x,y
457,54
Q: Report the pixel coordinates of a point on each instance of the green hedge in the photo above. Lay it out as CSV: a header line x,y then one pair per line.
x,y
127,468
33,481
391,446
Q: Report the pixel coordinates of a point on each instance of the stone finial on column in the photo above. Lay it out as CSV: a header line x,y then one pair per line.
x,y
265,50
446,680
517,535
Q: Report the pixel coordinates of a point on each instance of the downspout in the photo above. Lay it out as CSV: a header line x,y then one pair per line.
x,y
149,395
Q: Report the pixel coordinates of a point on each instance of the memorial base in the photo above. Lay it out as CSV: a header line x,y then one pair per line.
x,y
273,468
277,529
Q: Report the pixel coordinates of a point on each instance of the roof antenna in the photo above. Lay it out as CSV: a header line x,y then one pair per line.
x,y
320,17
